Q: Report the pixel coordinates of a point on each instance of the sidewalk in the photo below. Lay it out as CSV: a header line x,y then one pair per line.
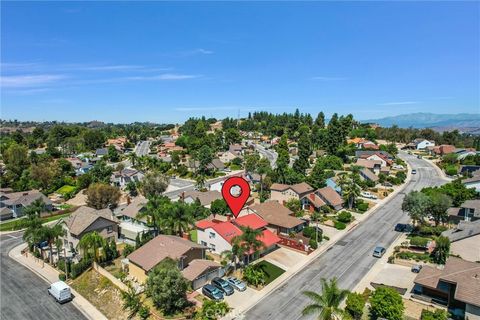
x,y
50,275
256,296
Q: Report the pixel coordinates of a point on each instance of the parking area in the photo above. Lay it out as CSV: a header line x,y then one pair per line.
x,y
397,276
285,258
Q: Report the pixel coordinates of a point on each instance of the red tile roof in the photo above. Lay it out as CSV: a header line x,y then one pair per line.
x,y
227,230
204,224
250,220
269,238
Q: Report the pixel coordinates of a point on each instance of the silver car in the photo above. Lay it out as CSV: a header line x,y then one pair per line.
x,y
237,284
378,252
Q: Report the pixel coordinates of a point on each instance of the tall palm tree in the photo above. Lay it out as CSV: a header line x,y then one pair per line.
x,y
177,219
327,303
350,189
153,211
91,243
35,208
234,255
249,241
51,234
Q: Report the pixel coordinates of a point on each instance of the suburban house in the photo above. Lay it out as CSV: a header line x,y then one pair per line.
x,y
365,154
368,175
332,183
279,218
13,203
473,182
422,144
190,258
468,211
101,152
465,240
86,219
131,225
226,156
443,149
361,143
236,150
205,198
469,169
284,192
218,235
216,164
312,202
456,286
330,197
373,165
118,143
378,156
122,178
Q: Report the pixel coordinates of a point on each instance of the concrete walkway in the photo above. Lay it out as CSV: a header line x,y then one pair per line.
x,y
48,273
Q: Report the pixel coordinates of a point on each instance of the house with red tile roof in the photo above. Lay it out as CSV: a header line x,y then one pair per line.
x,y
218,235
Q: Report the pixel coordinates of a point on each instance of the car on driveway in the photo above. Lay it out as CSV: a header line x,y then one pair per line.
x,y
416,268
237,284
212,292
378,252
222,285
368,195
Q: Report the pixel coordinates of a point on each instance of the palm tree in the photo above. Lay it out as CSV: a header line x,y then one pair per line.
x,y
91,243
153,211
326,304
177,219
51,234
249,241
234,254
35,208
132,156
350,189
200,180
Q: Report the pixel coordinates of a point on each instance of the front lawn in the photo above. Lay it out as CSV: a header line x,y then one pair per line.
x,y
22,222
193,236
271,270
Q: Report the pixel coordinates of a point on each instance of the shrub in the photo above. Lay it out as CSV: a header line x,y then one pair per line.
x,y
438,314
310,232
313,244
419,242
431,230
127,250
355,304
78,268
362,207
254,276
326,238
340,225
144,312
62,276
386,303
344,217
451,170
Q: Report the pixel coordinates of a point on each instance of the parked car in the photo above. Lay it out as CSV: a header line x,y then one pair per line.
x,y
212,292
60,291
378,252
223,285
419,157
368,195
403,227
414,171
416,268
237,284
398,167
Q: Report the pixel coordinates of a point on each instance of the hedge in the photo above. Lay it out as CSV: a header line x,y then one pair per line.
x,y
340,225
345,217
419,242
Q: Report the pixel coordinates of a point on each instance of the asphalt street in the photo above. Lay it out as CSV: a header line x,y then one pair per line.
x,y
269,154
142,148
350,259
23,294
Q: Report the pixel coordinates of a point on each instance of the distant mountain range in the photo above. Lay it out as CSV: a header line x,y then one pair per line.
x,y
464,122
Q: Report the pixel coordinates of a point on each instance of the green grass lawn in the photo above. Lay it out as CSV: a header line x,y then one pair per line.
x,y
21,223
66,189
272,271
193,235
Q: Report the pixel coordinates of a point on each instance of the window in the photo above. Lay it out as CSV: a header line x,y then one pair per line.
x,y
203,243
109,229
212,246
212,235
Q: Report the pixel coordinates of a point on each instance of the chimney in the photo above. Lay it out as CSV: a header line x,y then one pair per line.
x,y
312,196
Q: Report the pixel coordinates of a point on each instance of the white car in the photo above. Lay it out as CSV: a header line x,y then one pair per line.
x,y
368,195
398,167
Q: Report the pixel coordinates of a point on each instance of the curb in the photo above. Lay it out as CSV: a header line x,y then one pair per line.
x,y
39,274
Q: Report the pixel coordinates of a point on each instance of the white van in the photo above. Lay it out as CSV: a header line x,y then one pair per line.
x,y
60,291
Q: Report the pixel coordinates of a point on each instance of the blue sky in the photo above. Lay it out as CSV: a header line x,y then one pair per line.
x,y
167,61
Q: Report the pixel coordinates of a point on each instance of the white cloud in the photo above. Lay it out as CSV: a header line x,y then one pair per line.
x,y
197,51
397,103
164,76
23,81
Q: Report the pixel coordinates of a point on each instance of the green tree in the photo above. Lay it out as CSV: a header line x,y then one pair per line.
x,y
235,255
355,305
320,120
326,305
442,250
154,209
90,244
131,301
350,189
177,219
283,159
250,240
153,184
438,314
16,161
212,310
439,204
113,154
416,204
51,235
101,196
304,150
167,287
386,303
204,157
219,206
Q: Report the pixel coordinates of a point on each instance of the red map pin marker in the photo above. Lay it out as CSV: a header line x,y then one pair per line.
x,y
235,199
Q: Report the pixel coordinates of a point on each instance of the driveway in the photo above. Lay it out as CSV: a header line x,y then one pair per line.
x,y
23,295
285,258
350,259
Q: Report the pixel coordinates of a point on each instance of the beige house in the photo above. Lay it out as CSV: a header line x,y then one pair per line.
x,y
190,257
279,218
86,219
284,192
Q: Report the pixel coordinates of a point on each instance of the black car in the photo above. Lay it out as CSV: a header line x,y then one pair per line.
x,y
223,285
403,227
212,292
